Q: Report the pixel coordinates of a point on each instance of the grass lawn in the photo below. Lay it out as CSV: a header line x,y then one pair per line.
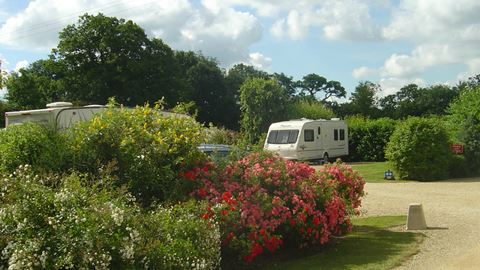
x,y
370,246
373,172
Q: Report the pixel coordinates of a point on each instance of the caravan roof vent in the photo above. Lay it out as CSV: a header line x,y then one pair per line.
x,y
60,104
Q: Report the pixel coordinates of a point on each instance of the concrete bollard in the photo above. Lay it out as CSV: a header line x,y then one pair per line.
x,y
416,218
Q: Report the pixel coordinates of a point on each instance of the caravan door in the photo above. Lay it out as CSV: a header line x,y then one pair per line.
x,y
309,145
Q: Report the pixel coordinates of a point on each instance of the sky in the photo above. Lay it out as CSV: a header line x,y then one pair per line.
x,y
389,42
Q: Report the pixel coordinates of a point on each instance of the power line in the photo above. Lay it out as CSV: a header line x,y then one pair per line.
x,y
51,25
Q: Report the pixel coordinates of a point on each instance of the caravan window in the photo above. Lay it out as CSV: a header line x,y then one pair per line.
x,y
308,135
342,134
282,136
335,134
272,136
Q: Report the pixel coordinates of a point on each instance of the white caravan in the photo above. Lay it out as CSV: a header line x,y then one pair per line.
x,y
306,139
61,114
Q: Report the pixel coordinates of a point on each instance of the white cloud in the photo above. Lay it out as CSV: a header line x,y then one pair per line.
x,y
260,61
338,20
211,26
443,32
392,85
21,64
364,72
435,20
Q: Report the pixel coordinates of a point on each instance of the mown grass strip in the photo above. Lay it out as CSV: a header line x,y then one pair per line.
x,y
371,245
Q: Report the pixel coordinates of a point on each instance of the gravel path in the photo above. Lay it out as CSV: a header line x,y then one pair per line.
x,y
452,212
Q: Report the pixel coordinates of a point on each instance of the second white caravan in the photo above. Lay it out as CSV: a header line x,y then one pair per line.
x,y
306,139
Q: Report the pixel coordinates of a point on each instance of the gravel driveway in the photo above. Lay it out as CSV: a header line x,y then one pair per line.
x,y
452,212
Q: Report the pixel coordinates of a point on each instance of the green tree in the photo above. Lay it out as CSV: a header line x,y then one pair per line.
x,y
363,99
464,118
287,83
36,85
314,84
109,57
208,89
262,103
311,110
413,100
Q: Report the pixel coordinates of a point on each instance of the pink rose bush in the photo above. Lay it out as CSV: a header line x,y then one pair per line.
x,y
263,202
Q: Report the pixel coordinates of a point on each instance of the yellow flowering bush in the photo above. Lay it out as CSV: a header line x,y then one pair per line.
x,y
149,148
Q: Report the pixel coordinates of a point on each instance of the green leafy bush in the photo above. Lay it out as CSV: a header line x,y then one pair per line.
x,y
41,146
219,135
419,149
59,223
465,121
148,147
367,138
309,109
178,238
71,226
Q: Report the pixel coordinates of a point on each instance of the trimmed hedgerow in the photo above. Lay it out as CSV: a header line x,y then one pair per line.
x,y
419,149
367,138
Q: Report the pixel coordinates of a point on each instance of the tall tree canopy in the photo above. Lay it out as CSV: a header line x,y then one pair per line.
x,y
208,89
36,85
363,100
314,84
262,103
110,57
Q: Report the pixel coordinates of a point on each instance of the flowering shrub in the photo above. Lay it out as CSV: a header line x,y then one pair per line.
x,y
264,202
148,147
81,227
71,226
178,238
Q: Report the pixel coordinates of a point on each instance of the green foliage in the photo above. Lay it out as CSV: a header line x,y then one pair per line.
x,y
308,109
367,138
465,119
363,100
110,57
207,88
216,135
65,227
314,84
68,224
262,102
413,100
39,84
41,146
5,107
149,149
419,149
178,238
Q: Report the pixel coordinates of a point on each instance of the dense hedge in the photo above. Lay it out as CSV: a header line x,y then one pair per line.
x,y
367,138
419,149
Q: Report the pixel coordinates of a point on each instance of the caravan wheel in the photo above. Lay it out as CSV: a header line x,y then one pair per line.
x,y
325,158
